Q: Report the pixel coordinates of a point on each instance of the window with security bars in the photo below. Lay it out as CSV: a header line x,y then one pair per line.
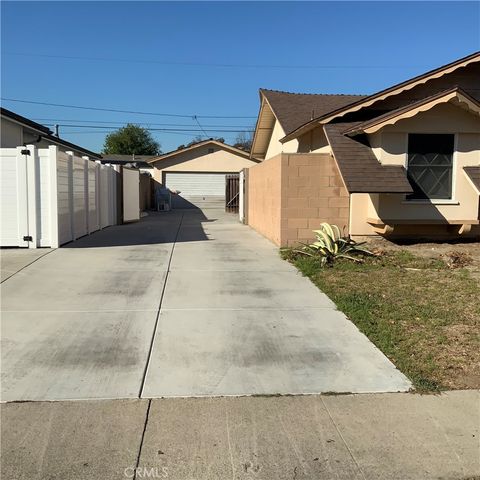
x,y
430,165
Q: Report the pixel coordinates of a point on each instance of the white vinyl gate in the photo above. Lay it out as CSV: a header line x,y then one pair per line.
x,y
48,197
13,201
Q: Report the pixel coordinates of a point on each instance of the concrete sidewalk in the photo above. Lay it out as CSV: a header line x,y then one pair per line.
x,y
375,437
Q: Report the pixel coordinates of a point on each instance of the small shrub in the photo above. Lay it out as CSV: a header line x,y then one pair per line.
x,y
331,246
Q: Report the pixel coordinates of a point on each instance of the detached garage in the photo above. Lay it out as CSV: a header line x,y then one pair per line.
x,y
199,172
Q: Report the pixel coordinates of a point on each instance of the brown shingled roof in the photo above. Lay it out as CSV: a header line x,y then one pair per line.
x,y
295,109
361,171
474,175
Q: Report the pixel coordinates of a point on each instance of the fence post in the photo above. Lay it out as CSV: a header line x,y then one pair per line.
x,y
32,186
85,193
71,200
52,159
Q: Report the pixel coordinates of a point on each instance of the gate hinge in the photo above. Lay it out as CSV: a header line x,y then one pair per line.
x,y
25,152
27,238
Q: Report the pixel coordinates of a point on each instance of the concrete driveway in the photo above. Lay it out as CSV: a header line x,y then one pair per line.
x,y
185,303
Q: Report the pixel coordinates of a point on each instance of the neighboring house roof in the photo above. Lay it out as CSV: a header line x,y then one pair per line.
x,y
203,143
72,146
295,109
473,174
454,95
137,161
126,158
360,169
24,121
383,94
45,132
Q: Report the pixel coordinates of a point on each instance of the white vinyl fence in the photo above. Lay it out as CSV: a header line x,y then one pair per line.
x,y
48,197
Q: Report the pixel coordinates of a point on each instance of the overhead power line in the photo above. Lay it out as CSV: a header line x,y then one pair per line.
x,y
121,123
206,64
205,133
194,130
103,132
121,111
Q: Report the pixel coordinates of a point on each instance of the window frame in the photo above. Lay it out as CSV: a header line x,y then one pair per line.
x,y
445,201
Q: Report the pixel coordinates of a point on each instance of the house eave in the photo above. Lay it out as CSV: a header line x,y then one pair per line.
x,y
382,95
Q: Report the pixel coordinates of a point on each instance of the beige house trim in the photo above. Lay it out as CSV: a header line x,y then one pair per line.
x,y
263,129
384,94
455,96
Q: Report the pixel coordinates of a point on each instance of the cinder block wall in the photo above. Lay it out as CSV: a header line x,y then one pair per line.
x,y
264,183
312,193
289,195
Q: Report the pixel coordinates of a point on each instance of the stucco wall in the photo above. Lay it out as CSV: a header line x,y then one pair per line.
x,y
275,147
199,160
264,191
314,141
390,147
11,134
292,194
14,135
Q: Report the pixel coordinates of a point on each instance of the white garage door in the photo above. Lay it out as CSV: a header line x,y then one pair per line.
x,y
202,190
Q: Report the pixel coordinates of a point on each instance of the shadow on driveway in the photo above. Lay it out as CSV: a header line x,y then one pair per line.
x,y
154,228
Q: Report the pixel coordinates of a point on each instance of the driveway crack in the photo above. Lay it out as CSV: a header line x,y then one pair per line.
x,y
343,439
137,463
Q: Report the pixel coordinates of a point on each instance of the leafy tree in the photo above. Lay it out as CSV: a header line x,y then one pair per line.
x,y
244,141
129,140
199,138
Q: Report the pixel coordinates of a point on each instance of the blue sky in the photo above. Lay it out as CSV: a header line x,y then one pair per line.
x,y
167,57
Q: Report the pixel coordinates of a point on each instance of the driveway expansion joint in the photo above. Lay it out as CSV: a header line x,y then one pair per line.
x,y
28,264
155,328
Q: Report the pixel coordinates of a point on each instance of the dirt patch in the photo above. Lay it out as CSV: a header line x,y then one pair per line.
x,y
455,255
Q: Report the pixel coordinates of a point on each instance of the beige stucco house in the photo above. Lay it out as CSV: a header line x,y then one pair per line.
x,y
198,172
404,161
16,130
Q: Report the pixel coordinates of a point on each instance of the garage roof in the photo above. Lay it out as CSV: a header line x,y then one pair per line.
x,y
224,146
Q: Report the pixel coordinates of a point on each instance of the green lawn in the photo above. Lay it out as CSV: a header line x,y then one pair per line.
x,y
423,315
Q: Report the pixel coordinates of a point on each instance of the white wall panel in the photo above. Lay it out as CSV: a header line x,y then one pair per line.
x,y
79,210
43,192
93,222
64,198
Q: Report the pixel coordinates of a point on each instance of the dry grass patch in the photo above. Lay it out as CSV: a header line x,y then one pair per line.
x,y
422,313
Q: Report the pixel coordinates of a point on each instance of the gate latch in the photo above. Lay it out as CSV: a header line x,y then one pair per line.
x,y
27,238
25,152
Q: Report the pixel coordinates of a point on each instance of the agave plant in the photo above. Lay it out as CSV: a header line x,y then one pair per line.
x,y
331,245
